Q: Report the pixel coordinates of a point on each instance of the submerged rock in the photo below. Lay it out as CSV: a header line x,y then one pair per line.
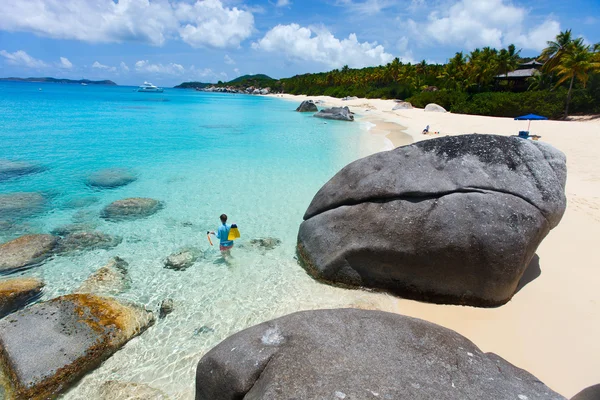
x,y
307,106
110,279
202,330
78,241
23,204
14,169
111,178
337,113
358,354
65,230
115,390
81,202
267,243
131,208
166,308
402,105
432,107
471,209
49,346
26,251
16,293
182,259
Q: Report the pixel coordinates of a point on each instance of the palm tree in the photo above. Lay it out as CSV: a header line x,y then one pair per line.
x,y
577,61
552,54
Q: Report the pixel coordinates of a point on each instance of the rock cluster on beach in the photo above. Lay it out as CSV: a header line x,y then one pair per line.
x,y
336,113
358,354
451,220
50,345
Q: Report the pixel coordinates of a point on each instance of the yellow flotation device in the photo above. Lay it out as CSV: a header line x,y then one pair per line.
x,y
234,233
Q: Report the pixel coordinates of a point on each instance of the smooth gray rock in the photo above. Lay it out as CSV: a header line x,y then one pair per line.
x,y
80,241
307,106
18,292
266,243
402,105
131,208
590,393
111,279
111,178
166,308
26,251
432,107
14,169
182,259
49,346
337,113
22,204
452,220
358,354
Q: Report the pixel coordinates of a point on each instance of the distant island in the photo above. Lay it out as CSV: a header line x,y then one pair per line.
x,y
244,81
57,80
192,85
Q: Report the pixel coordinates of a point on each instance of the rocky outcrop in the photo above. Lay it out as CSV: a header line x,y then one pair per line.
x,y
402,105
26,251
451,220
131,208
115,390
166,308
358,354
590,393
16,293
79,241
47,347
267,243
432,107
111,178
23,204
14,169
110,279
307,106
182,259
337,113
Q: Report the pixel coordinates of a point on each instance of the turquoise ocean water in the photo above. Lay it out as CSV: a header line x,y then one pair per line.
x,y
202,154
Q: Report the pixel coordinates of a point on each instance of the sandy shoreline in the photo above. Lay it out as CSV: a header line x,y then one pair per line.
x,y
551,327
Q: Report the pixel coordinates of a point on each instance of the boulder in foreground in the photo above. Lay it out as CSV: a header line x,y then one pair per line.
x,y
131,208
47,347
450,220
337,113
18,292
307,106
358,354
26,251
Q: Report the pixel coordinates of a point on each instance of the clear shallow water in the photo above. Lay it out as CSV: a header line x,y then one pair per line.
x,y
202,154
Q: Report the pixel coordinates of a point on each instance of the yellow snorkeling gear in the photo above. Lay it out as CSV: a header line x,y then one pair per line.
x,y
234,233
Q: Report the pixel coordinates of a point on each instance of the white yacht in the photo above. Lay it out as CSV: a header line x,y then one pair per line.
x,y
148,87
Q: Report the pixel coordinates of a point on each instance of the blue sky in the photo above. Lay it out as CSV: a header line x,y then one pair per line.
x,y
171,41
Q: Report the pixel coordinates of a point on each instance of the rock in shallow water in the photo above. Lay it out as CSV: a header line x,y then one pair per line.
x,y
307,106
49,346
182,259
166,308
18,292
115,390
452,220
131,208
14,169
78,241
358,354
111,279
337,113
267,243
111,178
22,204
26,251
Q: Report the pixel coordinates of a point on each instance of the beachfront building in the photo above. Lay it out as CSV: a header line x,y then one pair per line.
x,y
517,79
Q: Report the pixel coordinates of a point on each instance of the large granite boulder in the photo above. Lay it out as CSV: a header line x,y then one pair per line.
x,y
307,106
26,251
589,393
432,107
131,208
358,354
78,241
18,292
402,105
13,169
337,113
451,220
110,178
110,279
49,346
22,204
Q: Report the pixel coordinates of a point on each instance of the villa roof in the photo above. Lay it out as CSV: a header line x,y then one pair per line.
x,y
519,74
532,63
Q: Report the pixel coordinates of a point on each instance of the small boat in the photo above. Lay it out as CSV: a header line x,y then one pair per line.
x,y
83,84
148,87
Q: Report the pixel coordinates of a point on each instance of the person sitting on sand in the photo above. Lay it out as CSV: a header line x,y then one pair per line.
x,y
426,130
222,234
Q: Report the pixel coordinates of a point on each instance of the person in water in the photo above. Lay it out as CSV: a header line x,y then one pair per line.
x,y
222,234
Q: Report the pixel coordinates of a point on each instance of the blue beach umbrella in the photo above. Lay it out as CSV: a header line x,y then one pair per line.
x,y
530,117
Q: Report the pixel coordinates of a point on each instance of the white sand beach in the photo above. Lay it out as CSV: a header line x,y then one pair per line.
x,y
551,327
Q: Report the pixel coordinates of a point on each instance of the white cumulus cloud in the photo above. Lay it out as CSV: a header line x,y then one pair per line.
x,y
300,43
476,23
124,67
282,3
203,23
22,59
169,69
228,60
97,65
65,63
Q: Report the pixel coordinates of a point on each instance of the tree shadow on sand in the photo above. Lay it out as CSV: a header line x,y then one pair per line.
x,y
531,273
